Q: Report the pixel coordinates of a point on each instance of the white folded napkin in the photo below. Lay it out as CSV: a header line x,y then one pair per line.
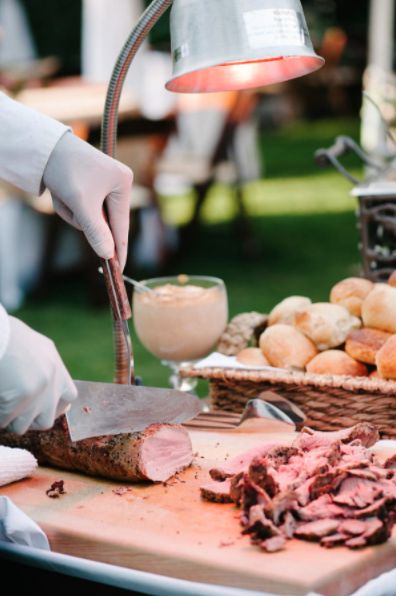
x,y
15,464
18,528
217,360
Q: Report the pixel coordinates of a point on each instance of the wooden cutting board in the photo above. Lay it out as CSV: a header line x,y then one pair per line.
x,y
169,530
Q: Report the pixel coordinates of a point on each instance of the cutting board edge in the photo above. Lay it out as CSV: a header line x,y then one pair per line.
x,y
173,565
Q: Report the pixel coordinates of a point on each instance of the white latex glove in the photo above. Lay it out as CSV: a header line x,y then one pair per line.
x,y
80,179
35,387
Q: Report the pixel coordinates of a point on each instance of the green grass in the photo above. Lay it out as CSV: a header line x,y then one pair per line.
x,y
292,183
302,220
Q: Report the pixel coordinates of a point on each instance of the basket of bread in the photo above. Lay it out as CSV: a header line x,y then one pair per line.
x,y
336,360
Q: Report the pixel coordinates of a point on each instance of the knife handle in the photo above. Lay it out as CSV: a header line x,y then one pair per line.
x,y
116,290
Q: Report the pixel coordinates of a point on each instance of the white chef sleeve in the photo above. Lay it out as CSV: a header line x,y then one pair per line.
x,y
27,139
4,331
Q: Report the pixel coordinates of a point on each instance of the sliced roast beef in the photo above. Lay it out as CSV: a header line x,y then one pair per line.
x,y
326,487
264,476
333,540
317,529
309,439
240,463
355,527
321,508
357,492
272,545
218,492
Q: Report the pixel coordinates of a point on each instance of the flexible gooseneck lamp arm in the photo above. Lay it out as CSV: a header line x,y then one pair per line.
x,y
124,364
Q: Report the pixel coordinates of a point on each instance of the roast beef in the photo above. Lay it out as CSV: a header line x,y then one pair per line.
x,y
155,454
326,487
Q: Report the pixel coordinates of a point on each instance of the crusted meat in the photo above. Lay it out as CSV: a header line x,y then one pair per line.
x,y
326,487
155,454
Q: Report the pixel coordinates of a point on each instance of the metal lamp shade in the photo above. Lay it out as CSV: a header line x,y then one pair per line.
x,y
223,45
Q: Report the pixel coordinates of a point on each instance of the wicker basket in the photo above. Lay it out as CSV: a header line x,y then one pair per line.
x,y
329,402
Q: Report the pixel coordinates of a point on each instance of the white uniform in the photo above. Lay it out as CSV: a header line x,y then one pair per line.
x,y
4,331
27,139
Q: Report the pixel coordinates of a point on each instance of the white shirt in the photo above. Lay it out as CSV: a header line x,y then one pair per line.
x,y
4,331
27,139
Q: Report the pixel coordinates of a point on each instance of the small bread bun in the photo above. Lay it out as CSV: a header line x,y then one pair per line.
x,y
286,347
336,362
351,292
363,344
284,311
379,308
252,357
327,325
386,359
392,279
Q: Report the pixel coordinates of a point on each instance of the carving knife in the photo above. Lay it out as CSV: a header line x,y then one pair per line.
x,y
111,409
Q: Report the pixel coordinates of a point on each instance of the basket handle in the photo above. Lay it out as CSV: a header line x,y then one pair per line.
x,y
342,146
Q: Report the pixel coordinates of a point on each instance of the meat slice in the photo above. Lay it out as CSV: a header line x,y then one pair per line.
x,y
333,540
321,508
326,483
354,527
281,504
376,508
365,432
241,462
317,529
263,475
279,455
289,525
357,492
217,492
259,526
391,462
365,473
356,542
154,454
272,545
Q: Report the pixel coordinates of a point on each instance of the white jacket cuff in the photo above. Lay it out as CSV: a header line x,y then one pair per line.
x,y
4,331
27,139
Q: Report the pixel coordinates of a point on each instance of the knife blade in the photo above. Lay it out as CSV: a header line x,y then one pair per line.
x,y
110,409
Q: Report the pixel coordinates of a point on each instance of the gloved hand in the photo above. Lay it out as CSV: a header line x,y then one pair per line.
x,y
35,387
80,178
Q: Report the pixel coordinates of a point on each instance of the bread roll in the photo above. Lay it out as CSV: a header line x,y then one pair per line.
x,y
336,362
351,292
363,344
386,359
327,325
284,311
286,347
392,279
252,357
379,308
